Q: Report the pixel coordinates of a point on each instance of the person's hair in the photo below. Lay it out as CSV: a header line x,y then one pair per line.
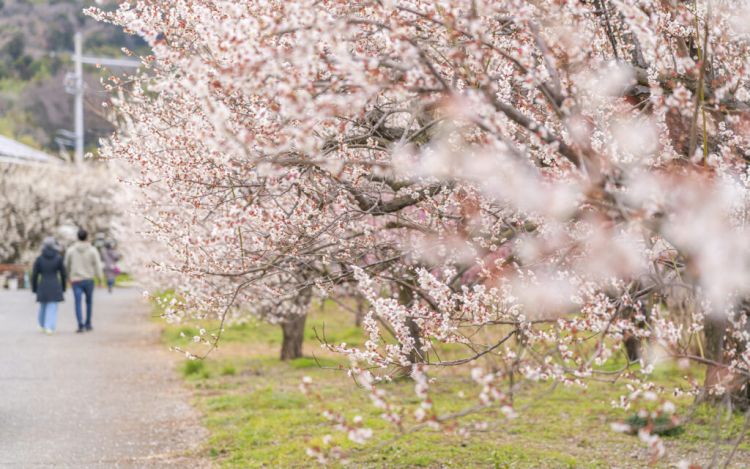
x,y
82,234
49,242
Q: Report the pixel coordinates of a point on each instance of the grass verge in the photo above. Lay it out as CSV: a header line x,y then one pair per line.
x,y
258,417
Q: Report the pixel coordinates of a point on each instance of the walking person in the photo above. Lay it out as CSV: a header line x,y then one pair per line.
x,y
48,283
83,265
110,258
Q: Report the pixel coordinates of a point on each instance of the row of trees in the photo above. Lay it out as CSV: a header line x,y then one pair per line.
x,y
51,200
542,182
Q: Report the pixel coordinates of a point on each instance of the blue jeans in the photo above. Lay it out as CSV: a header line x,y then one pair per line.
x,y
48,315
83,287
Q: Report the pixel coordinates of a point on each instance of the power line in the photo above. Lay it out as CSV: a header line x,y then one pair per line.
x,y
76,86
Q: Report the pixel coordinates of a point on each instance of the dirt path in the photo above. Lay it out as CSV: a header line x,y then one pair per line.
x,y
106,398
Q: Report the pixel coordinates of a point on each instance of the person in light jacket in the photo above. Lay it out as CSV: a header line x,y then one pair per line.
x,y
83,265
48,283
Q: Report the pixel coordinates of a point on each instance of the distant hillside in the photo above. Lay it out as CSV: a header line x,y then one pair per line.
x,y
36,41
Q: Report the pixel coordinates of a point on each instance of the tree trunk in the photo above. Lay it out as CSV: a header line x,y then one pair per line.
x,y
633,348
294,334
293,328
716,328
633,343
359,315
417,355
639,313
406,298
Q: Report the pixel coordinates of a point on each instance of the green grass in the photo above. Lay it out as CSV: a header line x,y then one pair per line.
x,y
12,86
123,278
193,367
258,417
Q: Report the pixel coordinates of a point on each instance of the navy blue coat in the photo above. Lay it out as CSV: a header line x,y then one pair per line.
x,y
48,276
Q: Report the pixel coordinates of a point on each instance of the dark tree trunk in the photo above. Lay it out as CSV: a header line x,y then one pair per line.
x,y
417,354
716,329
634,344
293,328
632,341
406,298
633,348
359,314
294,334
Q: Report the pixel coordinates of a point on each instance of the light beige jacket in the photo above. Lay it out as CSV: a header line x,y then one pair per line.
x,y
82,262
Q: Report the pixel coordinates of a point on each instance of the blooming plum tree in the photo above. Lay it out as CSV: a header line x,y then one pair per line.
x,y
538,181
39,201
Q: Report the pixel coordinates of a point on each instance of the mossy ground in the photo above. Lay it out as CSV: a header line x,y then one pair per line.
x,y
258,417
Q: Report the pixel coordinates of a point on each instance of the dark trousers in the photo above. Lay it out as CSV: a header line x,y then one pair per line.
x,y
80,288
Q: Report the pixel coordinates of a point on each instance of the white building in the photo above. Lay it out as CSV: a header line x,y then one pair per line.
x,y
15,152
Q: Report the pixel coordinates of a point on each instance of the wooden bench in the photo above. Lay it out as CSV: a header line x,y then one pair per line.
x,y
13,273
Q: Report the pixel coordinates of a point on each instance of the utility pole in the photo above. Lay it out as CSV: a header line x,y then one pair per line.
x,y
79,130
77,87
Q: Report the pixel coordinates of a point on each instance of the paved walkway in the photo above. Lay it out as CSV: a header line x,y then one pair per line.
x,y
106,398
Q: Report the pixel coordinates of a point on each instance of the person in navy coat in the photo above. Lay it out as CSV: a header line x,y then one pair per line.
x,y
48,280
